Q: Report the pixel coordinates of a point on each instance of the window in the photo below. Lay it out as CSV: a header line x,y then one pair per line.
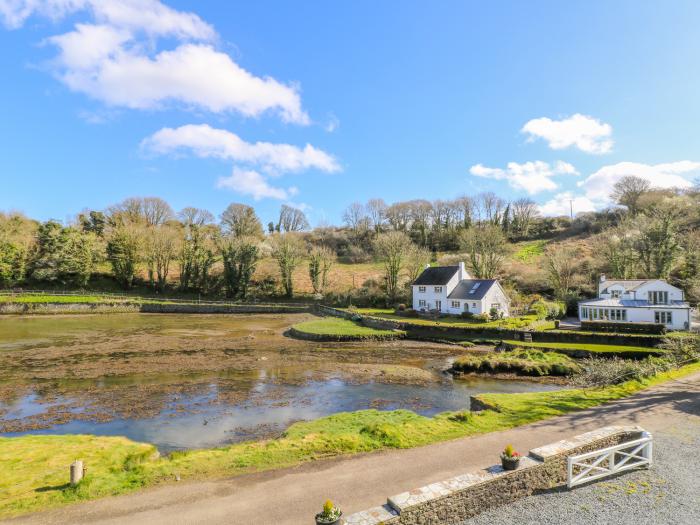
x,y
421,289
497,306
455,304
615,294
474,288
584,313
473,305
438,289
438,305
658,297
663,317
421,303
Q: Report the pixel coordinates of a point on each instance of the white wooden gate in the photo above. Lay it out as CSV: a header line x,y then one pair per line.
x,y
605,462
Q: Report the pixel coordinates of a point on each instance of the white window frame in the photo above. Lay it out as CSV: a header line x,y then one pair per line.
x,y
421,289
456,304
437,289
421,303
663,317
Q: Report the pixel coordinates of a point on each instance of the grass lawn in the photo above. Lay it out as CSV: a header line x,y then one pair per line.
x,y
522,362
35,468
585,346
509,322
335,326
529,250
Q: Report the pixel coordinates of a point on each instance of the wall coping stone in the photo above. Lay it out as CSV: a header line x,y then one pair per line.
x,y
372,516
551,450
405,500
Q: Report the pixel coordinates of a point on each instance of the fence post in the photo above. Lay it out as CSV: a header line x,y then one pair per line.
x,y
76,472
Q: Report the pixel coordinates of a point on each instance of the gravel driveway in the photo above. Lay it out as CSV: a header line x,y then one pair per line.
x,y
667,493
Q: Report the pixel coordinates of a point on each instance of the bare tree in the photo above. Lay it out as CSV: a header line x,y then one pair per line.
x,y
292,220
417,259
523,213
356,218
156,211
240,220
486,246
628,190
466,207
161,246
489,207
616,248
399,216
562,269
391,248
376,209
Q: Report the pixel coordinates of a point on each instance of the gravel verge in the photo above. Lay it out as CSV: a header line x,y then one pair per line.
x,y
668,492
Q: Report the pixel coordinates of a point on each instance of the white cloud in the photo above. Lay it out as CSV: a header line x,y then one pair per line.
x,y
562,204
586,133
250,182
205,141
117,61
599,185
532,177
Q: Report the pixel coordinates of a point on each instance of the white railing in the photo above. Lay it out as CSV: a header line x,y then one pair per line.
x,y
608,461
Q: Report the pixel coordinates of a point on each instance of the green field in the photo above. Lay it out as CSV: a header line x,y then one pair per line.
x,y
35,468
522,362
530,250
596,348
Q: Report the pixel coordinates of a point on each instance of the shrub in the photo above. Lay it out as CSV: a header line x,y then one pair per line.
x,y
631,328
483,318
493,314
466,315
522,362
401,307
602,372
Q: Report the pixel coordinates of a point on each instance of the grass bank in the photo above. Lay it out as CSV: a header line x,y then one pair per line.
x,y
337,329
521,362
587,348
512,323
34,469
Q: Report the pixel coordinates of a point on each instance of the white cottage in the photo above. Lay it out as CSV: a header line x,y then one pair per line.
x,y
451,290
637,301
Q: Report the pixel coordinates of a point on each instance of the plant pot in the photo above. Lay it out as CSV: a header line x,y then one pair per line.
x,y
320,521
509,463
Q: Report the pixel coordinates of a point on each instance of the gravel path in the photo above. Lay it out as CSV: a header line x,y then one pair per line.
x,y
667,493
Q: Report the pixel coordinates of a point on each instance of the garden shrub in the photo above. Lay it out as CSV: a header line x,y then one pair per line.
x,y
631,328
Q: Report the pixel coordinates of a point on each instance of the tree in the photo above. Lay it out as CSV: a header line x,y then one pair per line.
x,y
288,251
628,190
321,259
156,211
616,247
391,248
486,248
292,220
355,217
17,241
562,269
161,246
240,220
657,244
124,251
240,256
376,210
93,221
65,255
198,249
489,207
523,212
417,258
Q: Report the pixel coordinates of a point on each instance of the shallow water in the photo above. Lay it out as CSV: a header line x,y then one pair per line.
x,y
183,382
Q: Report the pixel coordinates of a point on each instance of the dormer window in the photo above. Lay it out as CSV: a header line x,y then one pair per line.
x,y
615,294
658,297
438,289
421,289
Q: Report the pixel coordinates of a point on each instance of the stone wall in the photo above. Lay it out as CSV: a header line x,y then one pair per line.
x,y
135,307
453,500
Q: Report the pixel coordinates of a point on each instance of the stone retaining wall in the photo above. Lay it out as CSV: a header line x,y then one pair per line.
x,y
128,307
298,334
454,500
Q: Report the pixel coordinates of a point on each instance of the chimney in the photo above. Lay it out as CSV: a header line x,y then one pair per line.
x,y
427,266
463,274
602,277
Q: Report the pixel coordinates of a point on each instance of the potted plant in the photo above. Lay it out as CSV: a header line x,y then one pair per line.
x,y
510,459
330,515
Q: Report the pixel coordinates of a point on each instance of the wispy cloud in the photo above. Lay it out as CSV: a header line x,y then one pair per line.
x,y
532,177
252,183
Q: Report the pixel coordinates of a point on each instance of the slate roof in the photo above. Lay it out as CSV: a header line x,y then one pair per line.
x,y
627,284
461,291
436,275
632,303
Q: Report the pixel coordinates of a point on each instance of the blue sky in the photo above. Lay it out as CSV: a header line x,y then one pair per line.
x,y
322,103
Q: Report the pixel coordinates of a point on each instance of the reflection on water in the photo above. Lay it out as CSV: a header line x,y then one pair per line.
x,y
237,378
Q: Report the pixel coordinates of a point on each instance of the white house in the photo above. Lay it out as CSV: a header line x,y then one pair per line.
x,y
451,290
637,301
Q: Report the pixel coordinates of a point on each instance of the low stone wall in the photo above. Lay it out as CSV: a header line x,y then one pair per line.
x,y
133,307
328,338
452,501
629,354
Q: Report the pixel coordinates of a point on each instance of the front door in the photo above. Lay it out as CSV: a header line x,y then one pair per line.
x,y
438,306
466,307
